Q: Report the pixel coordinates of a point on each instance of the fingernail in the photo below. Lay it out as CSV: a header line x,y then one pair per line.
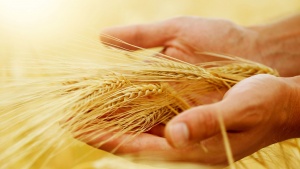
x,y
179,134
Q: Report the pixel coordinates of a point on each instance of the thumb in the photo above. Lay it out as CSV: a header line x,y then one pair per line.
x,y
142,35
200,123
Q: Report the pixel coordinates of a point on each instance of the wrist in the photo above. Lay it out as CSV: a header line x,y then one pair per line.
x,y
278,45
293,107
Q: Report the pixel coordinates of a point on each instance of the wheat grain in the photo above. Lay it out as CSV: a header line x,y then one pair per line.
x,y
107,100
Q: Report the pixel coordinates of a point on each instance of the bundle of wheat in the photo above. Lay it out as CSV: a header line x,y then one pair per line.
x,y
131,93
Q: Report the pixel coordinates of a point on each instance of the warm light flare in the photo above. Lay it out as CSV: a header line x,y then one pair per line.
x,y
26,12
37,20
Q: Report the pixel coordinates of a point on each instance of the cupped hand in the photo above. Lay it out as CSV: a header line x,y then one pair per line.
x,y
255,112
185,37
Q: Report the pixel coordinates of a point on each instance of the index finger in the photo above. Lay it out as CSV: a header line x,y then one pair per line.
x,y
142,35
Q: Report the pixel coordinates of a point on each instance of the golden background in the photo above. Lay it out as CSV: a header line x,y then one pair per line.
x,y
45,28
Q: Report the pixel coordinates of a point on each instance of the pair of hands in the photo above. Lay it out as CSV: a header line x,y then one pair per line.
x,y
257,111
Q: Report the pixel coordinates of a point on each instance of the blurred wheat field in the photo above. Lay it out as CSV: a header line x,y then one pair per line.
x,y
70,29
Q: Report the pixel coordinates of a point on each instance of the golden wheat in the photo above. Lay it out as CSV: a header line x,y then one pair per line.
x,y
129,95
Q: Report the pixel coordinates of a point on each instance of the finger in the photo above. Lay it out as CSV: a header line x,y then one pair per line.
x,y
151,147
193,125
204,121
142,143
178,53
242,144
126,143
147,146
240,110
144,35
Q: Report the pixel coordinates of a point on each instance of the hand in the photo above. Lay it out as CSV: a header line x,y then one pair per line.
x,y
251,110
184,37
255,115
274,45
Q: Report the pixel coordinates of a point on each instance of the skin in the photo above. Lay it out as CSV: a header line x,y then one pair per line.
x,y
258,111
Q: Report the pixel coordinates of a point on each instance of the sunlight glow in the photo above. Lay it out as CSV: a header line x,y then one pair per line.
x,y
41,20
26,12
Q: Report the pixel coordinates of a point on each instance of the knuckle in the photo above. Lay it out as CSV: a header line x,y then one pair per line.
x,y
180,19
178,22
137,32
209,125
205,125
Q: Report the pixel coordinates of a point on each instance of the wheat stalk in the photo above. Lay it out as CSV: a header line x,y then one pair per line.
x,y
129,95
